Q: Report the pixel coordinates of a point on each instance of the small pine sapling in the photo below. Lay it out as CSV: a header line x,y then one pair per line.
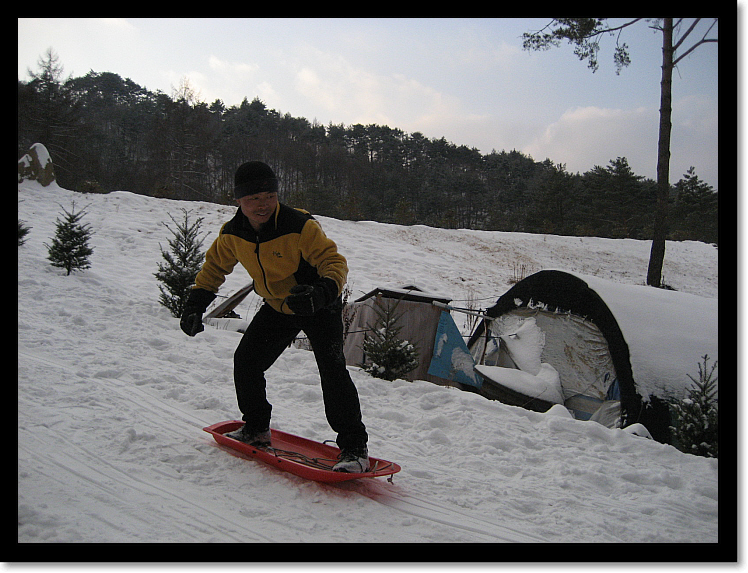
x,y
182,263
386,355
70,249
23,230
696,417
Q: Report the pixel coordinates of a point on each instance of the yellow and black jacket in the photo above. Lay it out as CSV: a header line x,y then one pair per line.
x,y
290,249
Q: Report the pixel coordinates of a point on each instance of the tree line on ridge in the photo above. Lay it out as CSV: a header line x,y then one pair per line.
x,y
106,133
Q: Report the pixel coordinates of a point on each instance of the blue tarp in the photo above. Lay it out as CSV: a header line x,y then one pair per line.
x,y
451,359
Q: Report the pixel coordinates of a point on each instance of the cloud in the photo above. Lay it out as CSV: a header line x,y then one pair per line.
x,y
353,95
309,84
587,136
221,79
114,25
99,42
238,70
485,55
266,92
696,138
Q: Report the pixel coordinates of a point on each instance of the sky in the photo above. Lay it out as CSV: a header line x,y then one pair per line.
x,y
467,80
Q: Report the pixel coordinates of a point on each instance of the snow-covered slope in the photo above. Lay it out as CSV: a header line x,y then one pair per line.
x,y
112,399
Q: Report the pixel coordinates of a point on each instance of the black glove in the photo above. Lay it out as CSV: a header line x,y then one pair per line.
x,y
308,299
192,323
192,316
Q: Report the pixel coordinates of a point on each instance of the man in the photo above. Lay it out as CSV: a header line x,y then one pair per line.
x,y
299,273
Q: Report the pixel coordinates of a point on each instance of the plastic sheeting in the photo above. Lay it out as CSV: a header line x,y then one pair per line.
x,y
451,359
573,347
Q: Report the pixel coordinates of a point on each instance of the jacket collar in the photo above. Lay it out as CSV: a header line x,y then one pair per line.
x,y
267,228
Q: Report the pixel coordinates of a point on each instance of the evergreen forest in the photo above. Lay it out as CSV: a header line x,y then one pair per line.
x,y
106,133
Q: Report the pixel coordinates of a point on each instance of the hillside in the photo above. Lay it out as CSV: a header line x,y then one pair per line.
x,y
112,399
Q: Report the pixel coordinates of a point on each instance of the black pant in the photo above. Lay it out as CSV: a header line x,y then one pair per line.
x,y
267,336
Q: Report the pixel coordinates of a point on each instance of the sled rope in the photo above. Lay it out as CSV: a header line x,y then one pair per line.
x,y
318,463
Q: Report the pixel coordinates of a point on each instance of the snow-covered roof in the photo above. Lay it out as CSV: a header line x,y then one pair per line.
x,y
407,292
667,333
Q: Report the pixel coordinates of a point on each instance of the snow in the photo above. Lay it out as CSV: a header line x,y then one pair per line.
x,y
42,154
525,345
112,399
544,385
664,330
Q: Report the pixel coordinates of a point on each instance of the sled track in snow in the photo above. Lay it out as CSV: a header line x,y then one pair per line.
x,y
394,498
77,462
68,461
71,460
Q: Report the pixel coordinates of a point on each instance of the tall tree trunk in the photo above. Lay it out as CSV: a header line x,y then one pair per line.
x,y
657,254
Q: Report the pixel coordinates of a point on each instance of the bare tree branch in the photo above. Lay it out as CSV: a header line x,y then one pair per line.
x,y
692,48
704,40
622,26
686,34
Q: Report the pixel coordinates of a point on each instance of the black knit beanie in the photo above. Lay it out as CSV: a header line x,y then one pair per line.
x,y
254,177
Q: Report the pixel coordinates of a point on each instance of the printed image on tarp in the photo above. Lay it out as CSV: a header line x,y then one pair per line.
x,y
451,359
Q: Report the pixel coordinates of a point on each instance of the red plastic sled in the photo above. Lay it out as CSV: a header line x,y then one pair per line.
x,y
299,456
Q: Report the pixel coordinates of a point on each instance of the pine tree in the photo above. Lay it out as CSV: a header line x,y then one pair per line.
x,y
696,416
388,357
23,230
182,264
69,249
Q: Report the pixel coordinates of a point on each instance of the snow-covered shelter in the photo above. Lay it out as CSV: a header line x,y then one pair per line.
x,y
613,353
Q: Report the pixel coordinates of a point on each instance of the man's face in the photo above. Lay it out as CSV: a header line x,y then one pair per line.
x,y
258,208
